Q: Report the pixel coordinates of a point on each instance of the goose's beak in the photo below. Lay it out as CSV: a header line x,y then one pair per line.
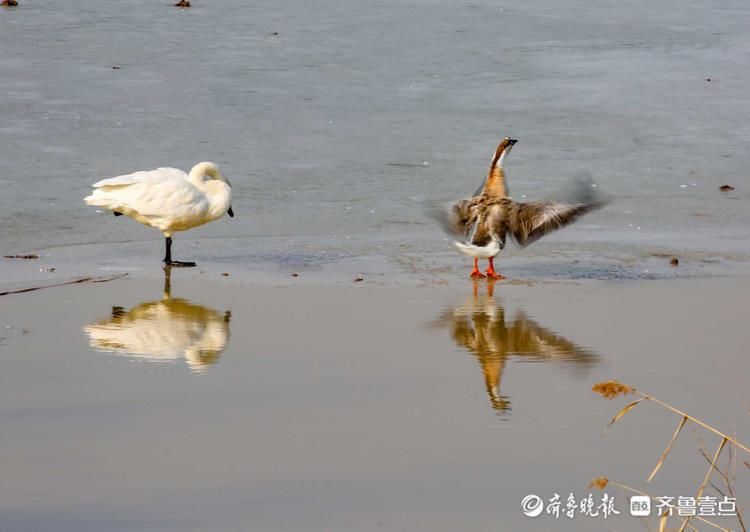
x,y
230,212
512,141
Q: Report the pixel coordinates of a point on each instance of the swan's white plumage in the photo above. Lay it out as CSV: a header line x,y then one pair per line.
x,y
166,198
141,177
164,330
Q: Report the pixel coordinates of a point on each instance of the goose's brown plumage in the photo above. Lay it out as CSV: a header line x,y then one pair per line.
x,y
484,328
485,220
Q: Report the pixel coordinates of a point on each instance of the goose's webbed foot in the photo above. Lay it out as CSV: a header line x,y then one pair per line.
x,y
475,273
491,273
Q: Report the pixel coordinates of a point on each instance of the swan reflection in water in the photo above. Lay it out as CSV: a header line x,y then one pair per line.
x,y
164,330
480,326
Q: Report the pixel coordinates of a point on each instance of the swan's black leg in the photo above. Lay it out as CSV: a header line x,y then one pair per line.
x,y
167,281
175,263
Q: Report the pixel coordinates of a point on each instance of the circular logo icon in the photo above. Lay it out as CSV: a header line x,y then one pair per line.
x,y
532,505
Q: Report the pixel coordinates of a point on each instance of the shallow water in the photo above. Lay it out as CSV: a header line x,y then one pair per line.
x,y
227,407
263,401
344,124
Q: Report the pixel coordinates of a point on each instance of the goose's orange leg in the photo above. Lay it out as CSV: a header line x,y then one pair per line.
x,y
475,273
490,288
491,273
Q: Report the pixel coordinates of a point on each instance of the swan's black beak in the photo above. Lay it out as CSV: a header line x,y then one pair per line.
x,y
230,212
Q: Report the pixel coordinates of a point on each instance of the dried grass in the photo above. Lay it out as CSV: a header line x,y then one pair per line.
x,y
612,389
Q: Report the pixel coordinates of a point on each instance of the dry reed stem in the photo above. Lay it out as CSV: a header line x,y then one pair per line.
x,y
663,522
705,479
622,412
611,389
721,473
697,421
603,387
669,448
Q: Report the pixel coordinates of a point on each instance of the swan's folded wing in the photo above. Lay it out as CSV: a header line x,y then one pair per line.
x,y
146,176
528,222
158,193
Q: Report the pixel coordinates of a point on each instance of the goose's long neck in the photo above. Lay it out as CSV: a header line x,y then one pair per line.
x,y
495,184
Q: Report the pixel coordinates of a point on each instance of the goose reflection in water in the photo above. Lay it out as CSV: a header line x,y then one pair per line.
x,y
480,326
164,330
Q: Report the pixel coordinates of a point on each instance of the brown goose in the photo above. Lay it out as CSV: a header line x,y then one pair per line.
x,y
484,328
484,220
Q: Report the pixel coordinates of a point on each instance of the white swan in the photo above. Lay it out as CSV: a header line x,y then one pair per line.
x,y
164,330
168,199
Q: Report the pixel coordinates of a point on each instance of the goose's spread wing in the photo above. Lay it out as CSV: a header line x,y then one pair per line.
x,y
531,339
528,222
458,220
487,216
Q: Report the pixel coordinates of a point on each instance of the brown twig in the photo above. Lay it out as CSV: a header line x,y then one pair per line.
x,y
705,479
697,421
704,454
73,281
